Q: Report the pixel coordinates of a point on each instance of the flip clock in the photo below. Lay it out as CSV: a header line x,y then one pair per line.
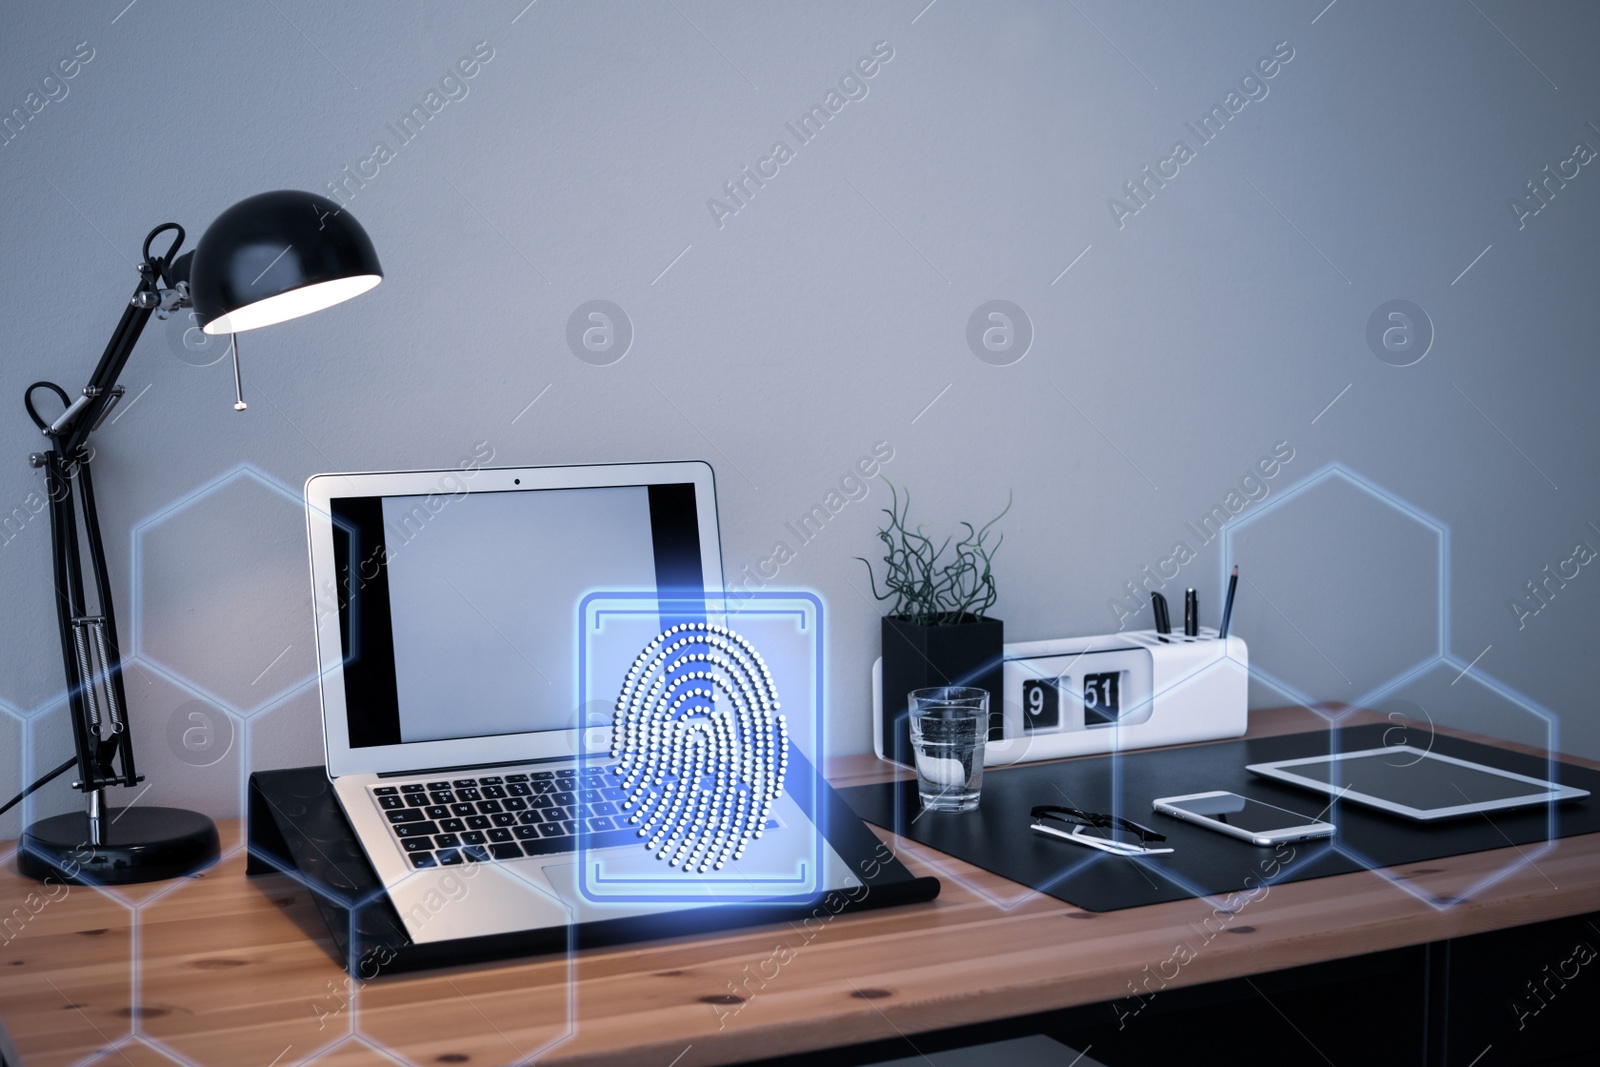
x,y
1078,696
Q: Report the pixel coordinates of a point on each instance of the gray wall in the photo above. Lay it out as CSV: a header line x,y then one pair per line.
x,y
781,342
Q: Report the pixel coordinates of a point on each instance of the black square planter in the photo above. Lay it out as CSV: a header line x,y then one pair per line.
x,y
917,657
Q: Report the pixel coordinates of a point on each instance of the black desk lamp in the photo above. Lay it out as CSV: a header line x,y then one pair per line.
x,y
266,259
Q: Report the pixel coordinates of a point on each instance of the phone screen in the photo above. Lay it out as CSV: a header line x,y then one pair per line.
x,y
1251,816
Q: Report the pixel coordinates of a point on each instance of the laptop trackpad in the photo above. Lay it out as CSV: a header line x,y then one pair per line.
x,y
638,862
474,899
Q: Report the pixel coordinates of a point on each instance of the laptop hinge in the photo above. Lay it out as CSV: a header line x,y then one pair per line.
x,y
476,766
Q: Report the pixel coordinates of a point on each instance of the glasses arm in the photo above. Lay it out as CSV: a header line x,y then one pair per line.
x,y
1064,814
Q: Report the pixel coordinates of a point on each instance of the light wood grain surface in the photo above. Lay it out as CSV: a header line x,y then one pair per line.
x,y
224,969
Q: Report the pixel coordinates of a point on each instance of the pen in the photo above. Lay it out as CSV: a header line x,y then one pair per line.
x,y
1191,614
1227,607
1158,608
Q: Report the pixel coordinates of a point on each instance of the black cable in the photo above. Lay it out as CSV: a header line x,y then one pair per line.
x,y
41,783
33,413
163,263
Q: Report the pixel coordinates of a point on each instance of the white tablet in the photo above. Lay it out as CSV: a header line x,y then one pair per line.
x,y
1414,783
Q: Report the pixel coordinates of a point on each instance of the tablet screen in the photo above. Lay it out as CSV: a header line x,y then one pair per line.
x,y
1403,777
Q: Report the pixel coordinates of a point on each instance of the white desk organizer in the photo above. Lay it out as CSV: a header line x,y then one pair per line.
x,y
1079,696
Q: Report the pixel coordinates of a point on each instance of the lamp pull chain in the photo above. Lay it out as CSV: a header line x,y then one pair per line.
x,y
238,388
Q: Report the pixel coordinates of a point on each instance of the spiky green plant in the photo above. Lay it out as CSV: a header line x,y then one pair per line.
x,y
924,590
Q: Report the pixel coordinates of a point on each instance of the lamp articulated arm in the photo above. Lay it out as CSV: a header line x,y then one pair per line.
x,y
90,648
163,285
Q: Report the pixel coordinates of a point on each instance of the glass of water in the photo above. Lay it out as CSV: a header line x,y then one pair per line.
x,y
949,726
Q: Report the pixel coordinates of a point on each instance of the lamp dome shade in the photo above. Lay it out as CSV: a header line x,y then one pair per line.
x,y
277,256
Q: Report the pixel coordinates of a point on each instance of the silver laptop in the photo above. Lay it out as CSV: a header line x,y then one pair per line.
x,y
448,609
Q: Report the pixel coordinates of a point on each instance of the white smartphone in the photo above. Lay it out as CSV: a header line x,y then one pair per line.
x,y
1241,817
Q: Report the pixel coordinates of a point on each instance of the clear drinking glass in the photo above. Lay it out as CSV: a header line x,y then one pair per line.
x,y
949,726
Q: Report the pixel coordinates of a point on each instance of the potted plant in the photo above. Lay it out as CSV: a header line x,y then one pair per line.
x,y
937,631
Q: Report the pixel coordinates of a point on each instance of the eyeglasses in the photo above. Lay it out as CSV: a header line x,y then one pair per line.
x,y
1108,833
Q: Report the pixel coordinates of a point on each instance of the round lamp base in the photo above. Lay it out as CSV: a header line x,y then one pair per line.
x,y
141,845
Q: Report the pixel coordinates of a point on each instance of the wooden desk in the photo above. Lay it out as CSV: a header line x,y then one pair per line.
x,y
232,970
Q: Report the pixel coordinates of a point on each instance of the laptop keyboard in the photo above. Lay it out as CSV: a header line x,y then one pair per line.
x,y
450,821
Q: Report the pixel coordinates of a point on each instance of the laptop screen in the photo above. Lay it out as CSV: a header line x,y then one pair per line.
x,y
458,614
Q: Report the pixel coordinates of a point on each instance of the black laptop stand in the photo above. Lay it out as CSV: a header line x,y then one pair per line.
x,y
295,827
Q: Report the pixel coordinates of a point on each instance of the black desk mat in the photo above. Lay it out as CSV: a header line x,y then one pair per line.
x,y
296,827
997,837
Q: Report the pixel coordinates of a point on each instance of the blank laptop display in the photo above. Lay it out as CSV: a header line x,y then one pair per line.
x,y
467,629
